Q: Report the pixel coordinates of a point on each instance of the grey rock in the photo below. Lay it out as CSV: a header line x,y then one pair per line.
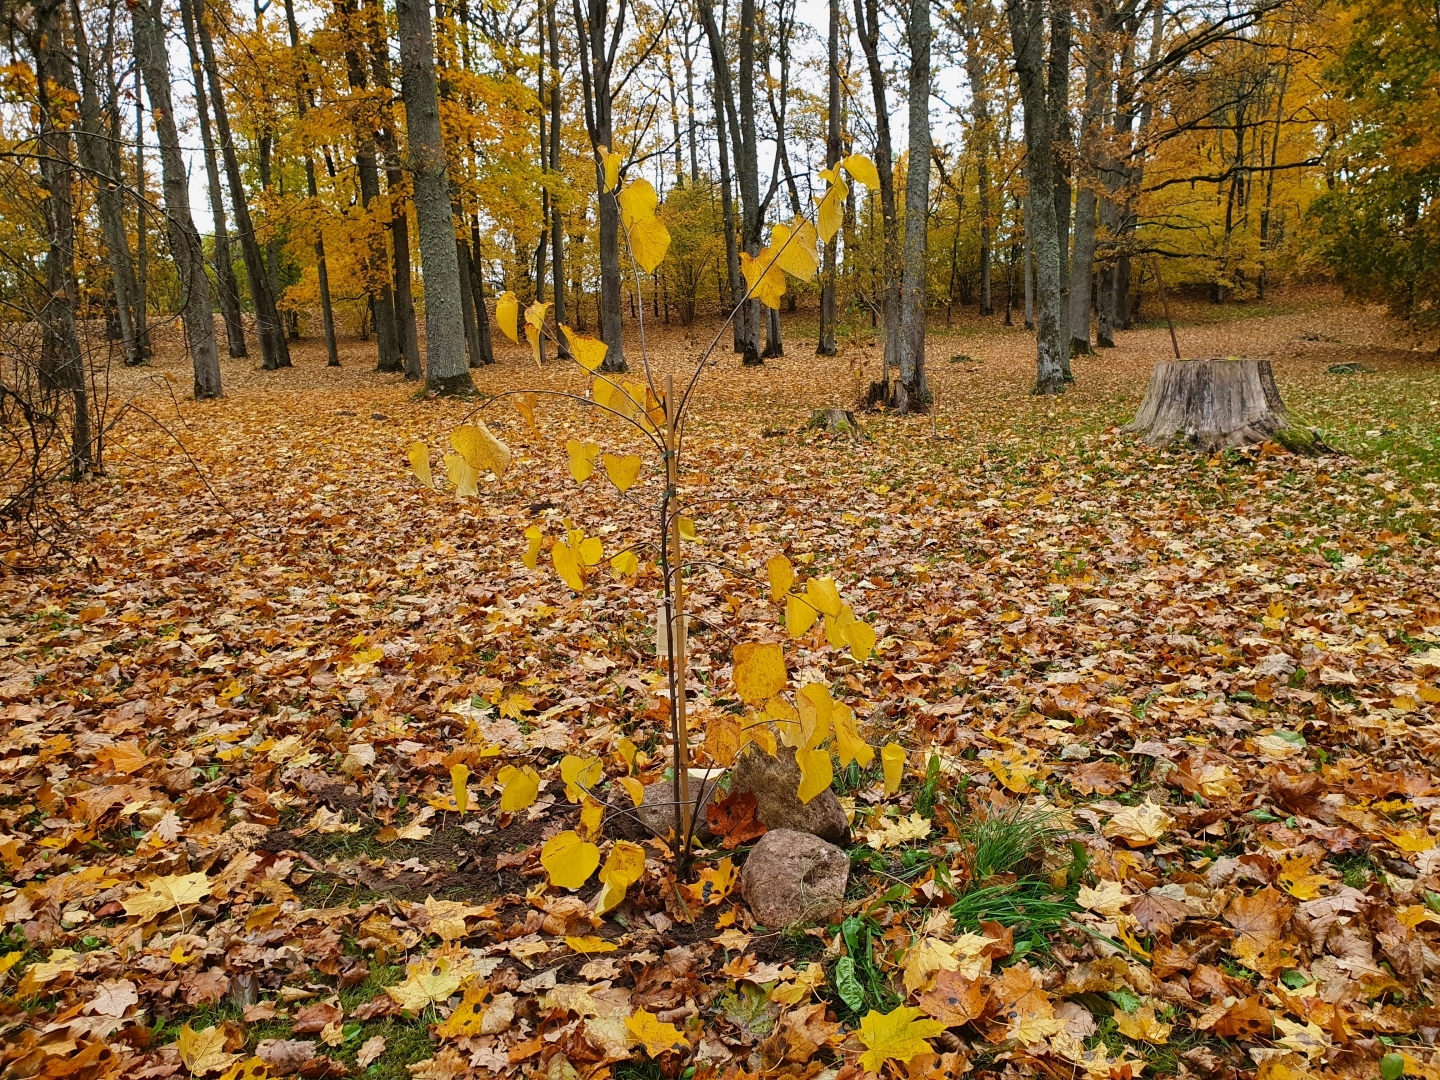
x,y
774,782
794,878
654,816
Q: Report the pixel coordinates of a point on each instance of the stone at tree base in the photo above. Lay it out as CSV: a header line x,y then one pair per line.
x,y
792,877
775,781
656,813
1215,404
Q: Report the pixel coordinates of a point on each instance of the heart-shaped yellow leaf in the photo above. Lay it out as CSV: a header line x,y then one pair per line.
x,y
462,476
892,758
800,615
420,463
649,241
815,706
863,169
580,775
507,314
860,636
459,777
519,787
625,564
610,162
637,202
848,742
759,670
763,278
815,773
830,213
794,246
480,448
622,471
588,352
782,576
569,860
822,593
591,550
582,458
567,565
533,537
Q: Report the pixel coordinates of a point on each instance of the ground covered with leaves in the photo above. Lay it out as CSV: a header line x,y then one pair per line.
x,y
1167,803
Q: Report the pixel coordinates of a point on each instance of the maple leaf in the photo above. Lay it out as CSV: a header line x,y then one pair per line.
x,y
1297,880
733,819
655,1036
427,982
203,1051
1139,826
892,832
714,883
568,860
163,893
1108,898
898,1035
1143,1026
955,1000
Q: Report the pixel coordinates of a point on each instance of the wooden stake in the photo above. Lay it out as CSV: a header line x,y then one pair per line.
x,y
678,643
1165,303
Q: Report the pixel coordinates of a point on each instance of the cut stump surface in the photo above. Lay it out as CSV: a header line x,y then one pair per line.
x,y
1215,404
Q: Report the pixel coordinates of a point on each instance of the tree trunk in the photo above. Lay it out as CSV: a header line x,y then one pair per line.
x,y
98,160
912,393
272,261
826,345
226,285
1061,155
982,139
197,314
267,320
773,345
143,349
1214,404
1082,267
867,19
557,228
446,368
1027,37
477,283
727,217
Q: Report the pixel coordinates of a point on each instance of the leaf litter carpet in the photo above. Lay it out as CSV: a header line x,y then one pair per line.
x,y
1199,696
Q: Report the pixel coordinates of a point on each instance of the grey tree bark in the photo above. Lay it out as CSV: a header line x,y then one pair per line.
x,y
912,393
96,156
826,345
557,225
225,284
1082,266
727,217
197,314
597,60
446,367
1062,151
274,352
867,25
983,137
1027,25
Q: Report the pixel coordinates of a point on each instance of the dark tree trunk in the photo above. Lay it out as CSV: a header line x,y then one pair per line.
x,y
867,23
912,393
826,345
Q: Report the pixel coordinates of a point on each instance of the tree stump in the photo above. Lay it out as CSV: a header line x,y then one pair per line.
x,y
1214,404
837,422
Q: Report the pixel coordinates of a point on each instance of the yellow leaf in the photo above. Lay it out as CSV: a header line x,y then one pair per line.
x,y
420,463
623,867
1143,1026
815,773
611,162
625,564
892,832
686,527
794,247
759,670
714,884
567,565
532,555
863,169
569,860
250,1069
481,449
722,739
782,576
468,1017
507,314
763,278
649,241
590,944
892,756
800,615
203,1051
459,775
582,458
814,704
462,476
590,550
657,1038
535,314
580,775
589,352
1298,881
634,788
622,471
822,593
164,893
1140,825
520,786
830,214
637,202
532,335
860,636
427,982
895,1036
848,743
525,406
627,751
592,813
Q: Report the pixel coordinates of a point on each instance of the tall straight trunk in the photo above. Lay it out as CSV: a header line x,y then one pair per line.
x,y
99,161
143,348
477,285
406,333
267,320
542,246
1029,270
1270,173
272,260
150,56
867,19
1062,152
467,298
322,268
1082,266
57,168
740,122
983,138
826,345
912,393
727,218
690,106
1026,18
557,224
446,368
597,56
225,284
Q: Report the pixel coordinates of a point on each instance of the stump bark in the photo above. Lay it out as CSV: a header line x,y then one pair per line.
x,y
837,422
1215,404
